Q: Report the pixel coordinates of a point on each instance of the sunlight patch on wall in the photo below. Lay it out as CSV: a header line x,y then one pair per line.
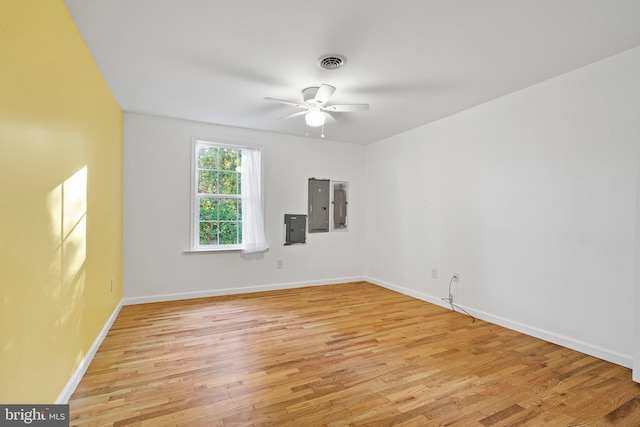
x,y
67,209
74,226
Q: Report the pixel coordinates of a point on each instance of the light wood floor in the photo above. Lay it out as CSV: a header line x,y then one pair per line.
x,y
341,355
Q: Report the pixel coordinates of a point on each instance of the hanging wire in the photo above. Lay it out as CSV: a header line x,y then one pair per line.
x,y
452,304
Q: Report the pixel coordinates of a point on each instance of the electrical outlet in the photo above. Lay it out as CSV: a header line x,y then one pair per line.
x,y
434,273
280,264
456,277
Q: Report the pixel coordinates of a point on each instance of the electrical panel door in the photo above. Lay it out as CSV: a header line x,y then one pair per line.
x,y
318,205
295,229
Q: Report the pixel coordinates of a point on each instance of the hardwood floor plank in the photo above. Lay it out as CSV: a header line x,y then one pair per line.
x,y
352,354
502,415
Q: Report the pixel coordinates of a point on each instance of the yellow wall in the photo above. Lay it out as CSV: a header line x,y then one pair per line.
x,y
60,200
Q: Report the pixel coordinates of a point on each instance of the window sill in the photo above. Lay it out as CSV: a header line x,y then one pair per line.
x,y
209,250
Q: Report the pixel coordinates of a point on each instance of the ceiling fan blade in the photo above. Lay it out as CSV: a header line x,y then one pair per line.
x,y
330,117
296,114
346,108
324,93
282,101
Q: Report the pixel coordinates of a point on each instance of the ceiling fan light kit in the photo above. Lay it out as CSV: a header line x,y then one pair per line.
x,y
314,118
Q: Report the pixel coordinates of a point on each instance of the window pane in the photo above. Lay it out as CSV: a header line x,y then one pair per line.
x,y
208,182
208,233
228,233
229,159
229,182
218,199
229,209
209,209
208,158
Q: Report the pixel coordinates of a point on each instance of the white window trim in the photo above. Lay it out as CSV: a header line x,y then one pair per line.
x,y
194,238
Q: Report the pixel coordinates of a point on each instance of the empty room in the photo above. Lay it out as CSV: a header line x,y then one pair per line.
x,y
338,213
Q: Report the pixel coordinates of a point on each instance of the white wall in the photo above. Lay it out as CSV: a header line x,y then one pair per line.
x,y
531,198
156,213
636,349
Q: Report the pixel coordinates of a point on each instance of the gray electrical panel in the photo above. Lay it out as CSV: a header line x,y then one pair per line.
x,y
319,198
295,229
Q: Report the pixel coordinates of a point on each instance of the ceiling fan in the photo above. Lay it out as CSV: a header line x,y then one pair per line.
x,y
315,107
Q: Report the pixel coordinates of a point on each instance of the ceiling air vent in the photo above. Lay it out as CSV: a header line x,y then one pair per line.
x,y
331,62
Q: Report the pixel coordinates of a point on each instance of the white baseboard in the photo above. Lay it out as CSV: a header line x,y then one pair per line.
x,y
73,382
234,291
581,346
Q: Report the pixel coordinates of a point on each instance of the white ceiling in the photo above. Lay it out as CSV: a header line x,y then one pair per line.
x,y
413,61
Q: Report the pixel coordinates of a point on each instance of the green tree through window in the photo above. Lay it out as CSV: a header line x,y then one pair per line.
x,y
219,192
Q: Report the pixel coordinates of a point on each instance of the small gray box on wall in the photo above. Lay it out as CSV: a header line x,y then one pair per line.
x,y
295,229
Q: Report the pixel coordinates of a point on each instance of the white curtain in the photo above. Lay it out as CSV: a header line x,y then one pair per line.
x,y
253,238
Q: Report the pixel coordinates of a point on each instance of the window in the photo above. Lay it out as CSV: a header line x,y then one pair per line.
x,y
227,198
